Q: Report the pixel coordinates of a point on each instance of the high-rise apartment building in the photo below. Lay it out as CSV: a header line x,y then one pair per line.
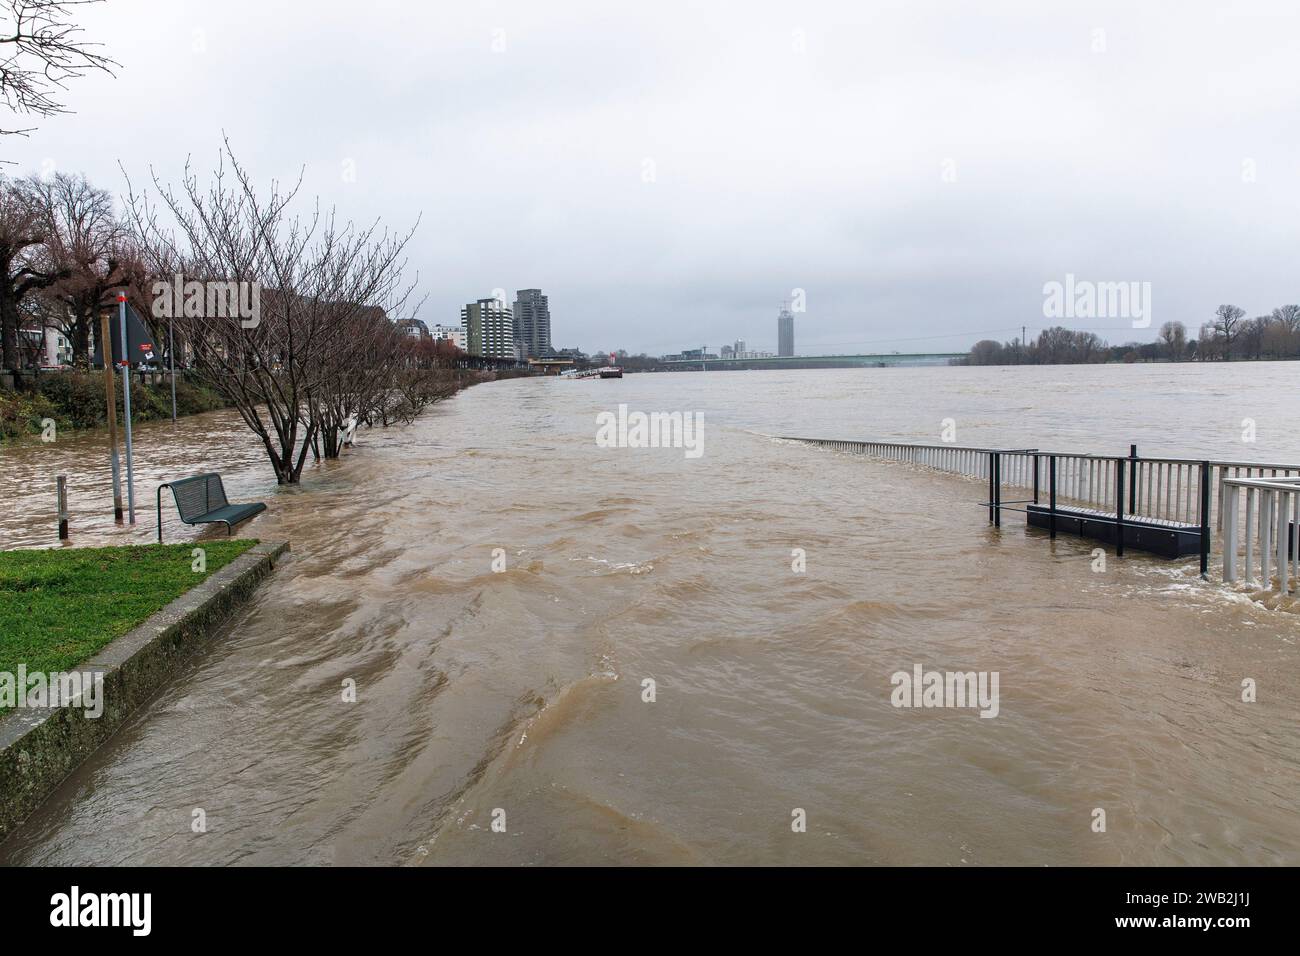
x,y
533,322
785,334
489,326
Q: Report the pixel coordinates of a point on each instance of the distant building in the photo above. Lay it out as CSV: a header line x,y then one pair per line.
x,y
727,352
453,333
698,354
415,328
739,348
533,322
46,347
489,326
785,334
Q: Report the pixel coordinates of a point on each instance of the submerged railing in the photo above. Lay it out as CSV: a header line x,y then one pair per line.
x,y
1274,535
1190,495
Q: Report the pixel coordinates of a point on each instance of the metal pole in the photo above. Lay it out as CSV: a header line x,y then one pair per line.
x,y
171,361
1205,520
63,507
1051,490
126,409
997,490
1132,479
106,352
1119,508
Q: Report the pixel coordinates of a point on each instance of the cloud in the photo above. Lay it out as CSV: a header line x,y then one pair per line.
x,y
920,169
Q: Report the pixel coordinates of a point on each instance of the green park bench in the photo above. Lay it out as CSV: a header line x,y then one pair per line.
x,y
202,500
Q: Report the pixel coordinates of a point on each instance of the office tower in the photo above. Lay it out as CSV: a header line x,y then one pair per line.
x,y
785,334
533,322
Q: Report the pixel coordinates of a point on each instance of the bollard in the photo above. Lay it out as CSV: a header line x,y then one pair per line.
x,y
63,507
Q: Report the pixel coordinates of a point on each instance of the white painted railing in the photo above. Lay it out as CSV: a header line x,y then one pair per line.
x,y
1271,529
1161,489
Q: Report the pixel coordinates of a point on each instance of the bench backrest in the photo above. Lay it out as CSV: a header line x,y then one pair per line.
x,y
198,495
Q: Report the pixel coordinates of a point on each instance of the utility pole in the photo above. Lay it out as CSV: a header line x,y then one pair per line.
x,y
106,351
126,408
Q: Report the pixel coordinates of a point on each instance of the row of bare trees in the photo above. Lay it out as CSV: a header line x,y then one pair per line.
x,y
326,349
1229,335
323,348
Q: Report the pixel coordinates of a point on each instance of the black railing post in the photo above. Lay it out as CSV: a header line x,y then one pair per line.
x,y
1051,490
997,490
1132,479
1035,479
1119,508
1205,523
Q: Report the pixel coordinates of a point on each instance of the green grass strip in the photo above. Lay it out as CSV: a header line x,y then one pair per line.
x,y
59,607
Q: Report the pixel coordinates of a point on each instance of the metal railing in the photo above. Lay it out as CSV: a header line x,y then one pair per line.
x,y
1271,530
1189,493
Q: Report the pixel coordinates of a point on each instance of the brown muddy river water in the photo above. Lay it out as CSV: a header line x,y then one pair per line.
x,y
522,691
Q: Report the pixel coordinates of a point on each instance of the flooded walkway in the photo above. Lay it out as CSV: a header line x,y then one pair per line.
x,y
522,691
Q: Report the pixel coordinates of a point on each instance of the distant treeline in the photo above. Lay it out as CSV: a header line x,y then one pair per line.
x,y
1228,337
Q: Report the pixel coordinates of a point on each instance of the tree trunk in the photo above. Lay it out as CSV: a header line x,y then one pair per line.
x,y
9,331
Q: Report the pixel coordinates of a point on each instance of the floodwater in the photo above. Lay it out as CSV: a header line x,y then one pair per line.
x,y
519,696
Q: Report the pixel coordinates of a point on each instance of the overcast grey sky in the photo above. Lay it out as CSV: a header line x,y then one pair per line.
x,y
668,172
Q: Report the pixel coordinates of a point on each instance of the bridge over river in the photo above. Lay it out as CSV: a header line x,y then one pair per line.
x,y
880,360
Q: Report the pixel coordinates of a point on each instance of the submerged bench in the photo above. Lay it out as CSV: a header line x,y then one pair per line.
x,y
202,500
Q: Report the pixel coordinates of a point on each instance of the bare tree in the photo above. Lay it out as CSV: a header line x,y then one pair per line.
x,y
1208,345
304,365
1288,316
40,50
1227,327
90,248
1174,336
25,265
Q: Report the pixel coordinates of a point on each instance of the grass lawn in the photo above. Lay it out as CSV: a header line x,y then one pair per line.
x,y
58,607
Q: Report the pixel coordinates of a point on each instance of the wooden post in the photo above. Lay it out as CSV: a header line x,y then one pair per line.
x,y
63,507
106,351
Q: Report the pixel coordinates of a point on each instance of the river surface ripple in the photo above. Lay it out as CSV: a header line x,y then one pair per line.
x,y
522,690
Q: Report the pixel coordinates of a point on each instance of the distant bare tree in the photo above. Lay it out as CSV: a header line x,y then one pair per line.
x,y
1174,336
40,50
1288,316
1250,337
986,352
1208,344
1227,327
